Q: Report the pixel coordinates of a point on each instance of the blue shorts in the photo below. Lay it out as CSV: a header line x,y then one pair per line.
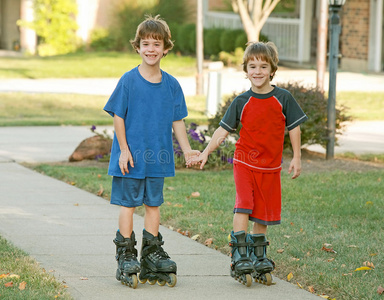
x,y
131,192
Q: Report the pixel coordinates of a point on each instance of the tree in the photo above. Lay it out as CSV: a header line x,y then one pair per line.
x,y
253,14
55,25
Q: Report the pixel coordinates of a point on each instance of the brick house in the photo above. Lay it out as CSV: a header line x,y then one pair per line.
x,y
361,40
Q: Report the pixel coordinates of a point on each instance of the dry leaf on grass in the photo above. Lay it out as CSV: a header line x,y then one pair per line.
x,y
195,194
208,242
380,290
289,276
9,284
22,285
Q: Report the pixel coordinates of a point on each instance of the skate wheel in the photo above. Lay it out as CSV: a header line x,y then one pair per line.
x,y
152,282
134,281
268,279
142,281
248,281
173,280
161,282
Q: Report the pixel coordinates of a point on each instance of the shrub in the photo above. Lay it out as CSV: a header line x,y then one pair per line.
x,y
184,36
241,40
228,40
313,103
101,40
212,41
235,58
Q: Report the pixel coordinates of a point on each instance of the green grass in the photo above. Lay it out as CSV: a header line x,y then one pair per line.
x,y
22,268
88,65
343,209
22,109
363,106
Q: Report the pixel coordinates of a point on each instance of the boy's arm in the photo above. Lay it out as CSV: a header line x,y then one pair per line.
x,y
295,165
181,136
217,138
125,155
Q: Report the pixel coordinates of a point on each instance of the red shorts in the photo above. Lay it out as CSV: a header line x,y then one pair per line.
x,y
258,194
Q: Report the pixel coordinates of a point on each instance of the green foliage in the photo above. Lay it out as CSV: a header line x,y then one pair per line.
x,y
101,40
55,25
185,33
234,58
241,40
313,103
172,11
228,40
212,41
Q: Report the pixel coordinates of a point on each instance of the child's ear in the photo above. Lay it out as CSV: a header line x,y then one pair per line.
x,y
165,52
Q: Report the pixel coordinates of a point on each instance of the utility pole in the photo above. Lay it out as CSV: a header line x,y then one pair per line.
x,y
334,30
321,58
199,48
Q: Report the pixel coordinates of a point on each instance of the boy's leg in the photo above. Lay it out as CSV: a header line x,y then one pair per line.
x,y
126,221
240,222
152,219
259,228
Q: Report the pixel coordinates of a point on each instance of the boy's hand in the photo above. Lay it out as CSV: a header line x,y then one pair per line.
x,y
188,155
125,158
295,165
201,159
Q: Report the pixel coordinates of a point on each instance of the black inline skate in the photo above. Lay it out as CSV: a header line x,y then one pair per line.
x,y
126,256
258,253
241,263
156,265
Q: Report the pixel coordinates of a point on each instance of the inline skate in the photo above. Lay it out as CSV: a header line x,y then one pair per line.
x,y
241,263
126,256
156,265
258,252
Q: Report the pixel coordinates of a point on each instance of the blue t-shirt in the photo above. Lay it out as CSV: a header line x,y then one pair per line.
x,y
148,109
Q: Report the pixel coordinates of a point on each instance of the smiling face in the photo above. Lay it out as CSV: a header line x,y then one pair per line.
x,y
259,73
151,51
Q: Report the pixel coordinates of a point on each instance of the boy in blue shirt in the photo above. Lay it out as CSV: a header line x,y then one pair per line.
x,y
146,105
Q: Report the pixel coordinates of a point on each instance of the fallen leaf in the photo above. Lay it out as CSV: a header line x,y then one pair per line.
x,y
363,269
22,285
178,205
369,264
76,204
195,237
195,194
99,175
299,285
311,289
101,191
328,249
348,274
9,284
208,242
4,275
331,259
352,246
289,276
327,245
287,236
14,276
280,250
295,259
380,290
171,188
369,203
83,278
168,203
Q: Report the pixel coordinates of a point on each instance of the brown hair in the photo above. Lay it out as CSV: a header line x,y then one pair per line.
x,y
153,27
263,51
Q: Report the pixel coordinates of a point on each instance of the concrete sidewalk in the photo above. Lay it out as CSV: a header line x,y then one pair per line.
x,y
70,232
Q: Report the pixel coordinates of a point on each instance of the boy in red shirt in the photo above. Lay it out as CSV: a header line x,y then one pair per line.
x,y
264,112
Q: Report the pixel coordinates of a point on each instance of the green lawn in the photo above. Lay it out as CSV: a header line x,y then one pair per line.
x,y
88,65
336,210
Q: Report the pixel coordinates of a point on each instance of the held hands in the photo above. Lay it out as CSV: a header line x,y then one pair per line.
x,y
295,165
190,155
125,158
201,159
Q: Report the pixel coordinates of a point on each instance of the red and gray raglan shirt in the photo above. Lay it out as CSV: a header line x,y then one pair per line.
x,y
263,118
